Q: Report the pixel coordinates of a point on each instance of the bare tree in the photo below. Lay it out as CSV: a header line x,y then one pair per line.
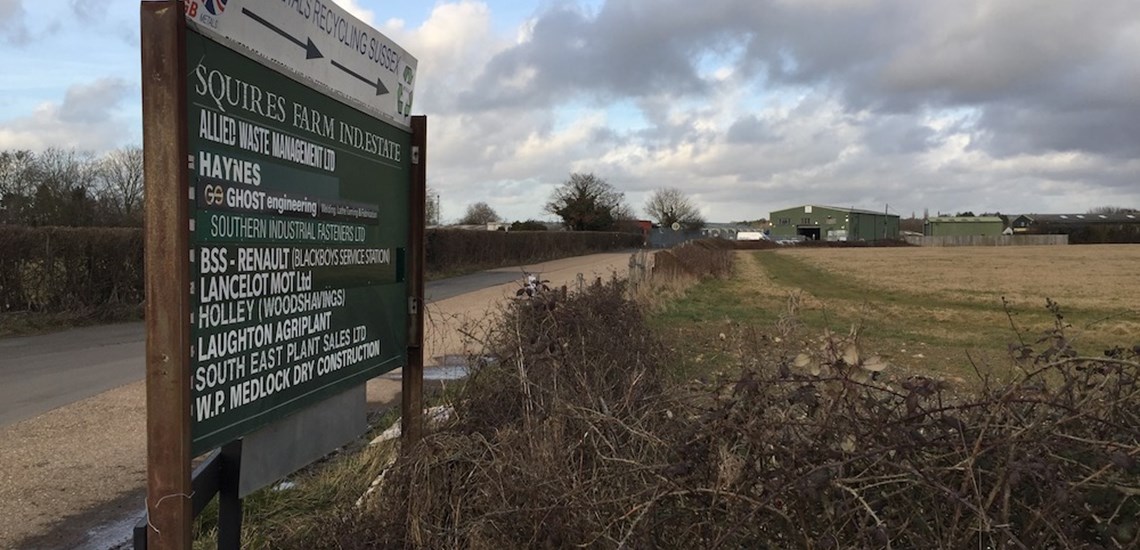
x,y
431,207
669,206
63,189
121,174
16,185
14,171
586,202
69,188
1112,210
478,214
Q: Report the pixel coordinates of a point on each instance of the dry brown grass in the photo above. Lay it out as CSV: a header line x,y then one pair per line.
x,y
1080,277
655,294
573,438
932,311
570,433
1096,285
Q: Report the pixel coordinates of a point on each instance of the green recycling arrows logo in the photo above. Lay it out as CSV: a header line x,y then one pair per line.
x,y
405,107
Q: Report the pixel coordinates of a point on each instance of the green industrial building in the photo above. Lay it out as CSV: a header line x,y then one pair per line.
x,y
955,226
830,223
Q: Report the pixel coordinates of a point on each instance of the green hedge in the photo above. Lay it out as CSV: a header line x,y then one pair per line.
x,y
451,249
64,269
52,269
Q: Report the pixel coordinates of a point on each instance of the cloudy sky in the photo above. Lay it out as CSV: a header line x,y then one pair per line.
x,y
747,105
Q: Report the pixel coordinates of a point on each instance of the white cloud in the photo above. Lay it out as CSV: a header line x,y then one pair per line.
x,y
353,7
747,105
755,105
88,118
12,25
452,46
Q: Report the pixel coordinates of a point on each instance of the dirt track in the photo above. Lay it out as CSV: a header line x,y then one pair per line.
x,y
74,477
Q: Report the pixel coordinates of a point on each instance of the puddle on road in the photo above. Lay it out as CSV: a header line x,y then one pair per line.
x,y
447,367
443,368
445,373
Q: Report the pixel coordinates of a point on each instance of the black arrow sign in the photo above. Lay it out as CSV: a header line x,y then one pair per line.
x,y
380,89
311,51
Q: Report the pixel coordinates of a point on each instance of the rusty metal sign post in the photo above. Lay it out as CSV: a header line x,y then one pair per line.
x,y
169,494
285,188
412,377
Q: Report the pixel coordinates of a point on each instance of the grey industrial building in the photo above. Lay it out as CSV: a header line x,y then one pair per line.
x,y
1115,227
961,226
831,223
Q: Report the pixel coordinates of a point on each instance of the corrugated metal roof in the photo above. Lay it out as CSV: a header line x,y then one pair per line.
x,y
855,210
964,219
1120,217
839,208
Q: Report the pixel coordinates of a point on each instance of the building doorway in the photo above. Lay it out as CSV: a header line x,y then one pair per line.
x,y
810,233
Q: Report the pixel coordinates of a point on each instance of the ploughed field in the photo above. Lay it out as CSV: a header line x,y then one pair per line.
x,y
947,311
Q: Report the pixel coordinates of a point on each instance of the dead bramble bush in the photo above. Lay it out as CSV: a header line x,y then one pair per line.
x,y
552,441
826,449
572,438
701,258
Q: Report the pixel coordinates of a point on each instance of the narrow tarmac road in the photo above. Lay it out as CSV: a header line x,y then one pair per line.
x,y
47,371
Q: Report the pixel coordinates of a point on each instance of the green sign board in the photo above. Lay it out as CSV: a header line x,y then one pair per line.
x,y
299,227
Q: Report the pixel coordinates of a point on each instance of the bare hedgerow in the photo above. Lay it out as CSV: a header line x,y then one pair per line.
x,y
572,438
700,258
821,454
588,349
552,441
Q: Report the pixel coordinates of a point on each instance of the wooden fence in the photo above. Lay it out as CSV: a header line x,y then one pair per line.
x,y
990,240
